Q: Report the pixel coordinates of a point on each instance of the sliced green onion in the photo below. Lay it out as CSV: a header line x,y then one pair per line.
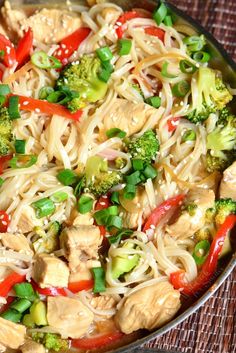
x,y
25,290
1,181
137,164
181,88
21,305
168,21
23,161
20,146
2,100
99,279
13,108
189,135
104,75
187,67
58,97
79,187
154,101
106,65
201,56
4,90
41,60
115,132
119,235
67,177
43,207
201,251
124,46
59,196
102,216
133,178
160,13
150,172
115,198
194,43
2,53
11,315
45,91
164,71
129,192
114,222
104,54
85,204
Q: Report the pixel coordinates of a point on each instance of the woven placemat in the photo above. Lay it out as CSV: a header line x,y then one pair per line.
x,y
212,329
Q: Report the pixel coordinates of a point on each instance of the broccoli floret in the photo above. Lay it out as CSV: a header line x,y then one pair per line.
x,y
47,241
191,209
103,182
212,95
203,234
220,163
5,131
83,78
144,147
224,207
51,341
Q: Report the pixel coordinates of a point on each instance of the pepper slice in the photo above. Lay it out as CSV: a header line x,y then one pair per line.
x,y
209,266
70,44
160,211
76,287
156,32
4,221
52,291
8,283
9,56
97,341
172,124
3,161
127,16
24,47
102,203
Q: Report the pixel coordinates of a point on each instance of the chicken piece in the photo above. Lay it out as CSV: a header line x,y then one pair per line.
x,y
32,347
127,116
54,25
84,271
17,242
80,244
12,19
104,302
28,220
110,14
148,308
69,316
77,219
11,335
186,225
49,271
2,348
228,183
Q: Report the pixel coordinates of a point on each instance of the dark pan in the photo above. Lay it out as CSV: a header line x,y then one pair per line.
x,y
222,61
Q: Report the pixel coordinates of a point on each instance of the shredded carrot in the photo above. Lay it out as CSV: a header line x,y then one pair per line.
x,y
21,72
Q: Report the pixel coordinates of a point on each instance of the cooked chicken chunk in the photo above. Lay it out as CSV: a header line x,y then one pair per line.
x,y
2,348
17,242
148,308
186,225
104,302
11,335
54,25
80,244
49,271
110,14
127,116
12,18
28,220
77,219
84,271
228,183
32,347
69,316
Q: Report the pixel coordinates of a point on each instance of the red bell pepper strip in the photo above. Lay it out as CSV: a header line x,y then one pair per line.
x,y
9,56
160,211
97,341
52,291
172,124
3,161
1,75
76,287
70,44
127,16
209,266
41,106
103,202
156,32
7,284
4,221
24,47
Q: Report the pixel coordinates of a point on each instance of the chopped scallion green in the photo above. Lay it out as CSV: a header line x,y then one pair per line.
x,y
201,56
1,181
114,222
150,172
104,75
124,46
85,204
25,290
154,101
104,53
119,235
21,305
67,177
160,13
115,198
59,196
41,60
129,192
20,146
99,279
2,100
201,251
4,90
11,315
168,21
45,91
189,135
164,72
102,216
43,207
23,161
133,178
181,88
115,132
137,164
13,108
187,67
194,43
